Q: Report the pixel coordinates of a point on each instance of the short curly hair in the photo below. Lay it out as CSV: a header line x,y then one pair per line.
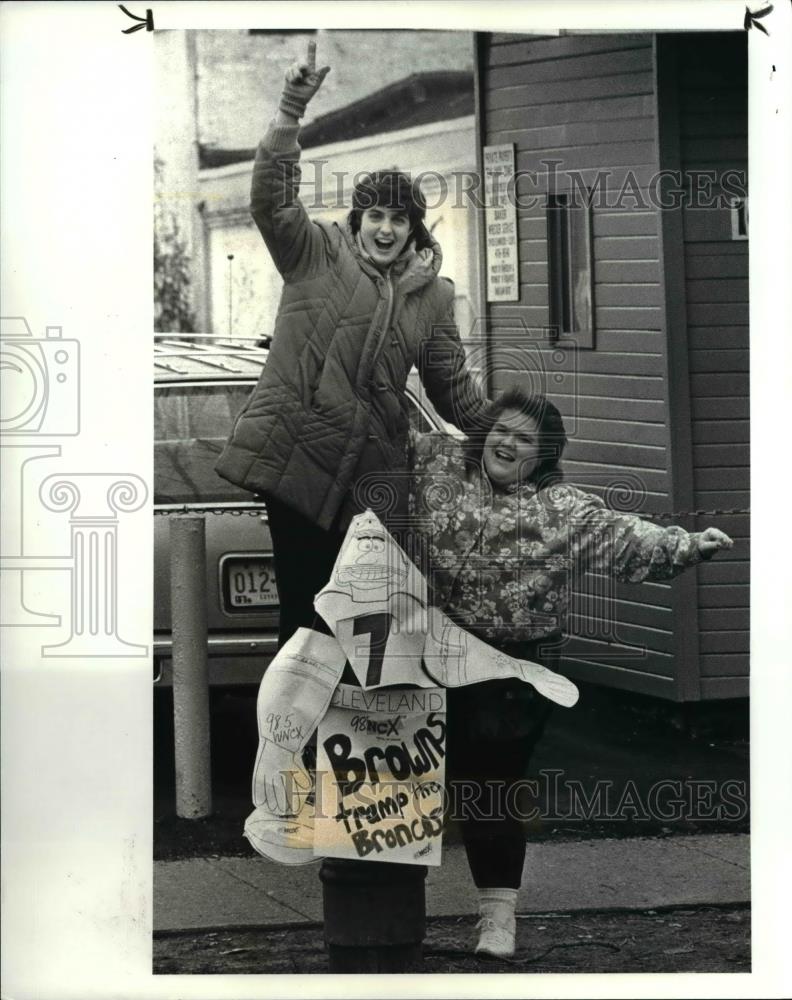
x,y
549,423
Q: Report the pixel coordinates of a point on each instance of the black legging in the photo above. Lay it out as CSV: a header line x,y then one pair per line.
x,y
304,557
492,731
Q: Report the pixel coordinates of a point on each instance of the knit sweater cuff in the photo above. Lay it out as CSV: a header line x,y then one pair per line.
x,y
282,138
695,556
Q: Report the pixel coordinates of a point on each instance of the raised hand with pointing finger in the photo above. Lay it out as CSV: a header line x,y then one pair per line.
x,y
302,81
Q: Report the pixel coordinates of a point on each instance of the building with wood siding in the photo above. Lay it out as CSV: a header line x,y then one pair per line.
x,y
652,376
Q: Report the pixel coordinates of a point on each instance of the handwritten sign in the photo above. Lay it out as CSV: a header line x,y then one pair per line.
x,y
380,770
500,219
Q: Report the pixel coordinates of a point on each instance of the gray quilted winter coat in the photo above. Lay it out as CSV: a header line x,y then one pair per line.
x,y
329,412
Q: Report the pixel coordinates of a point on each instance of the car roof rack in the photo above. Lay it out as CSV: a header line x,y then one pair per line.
x,y
194,354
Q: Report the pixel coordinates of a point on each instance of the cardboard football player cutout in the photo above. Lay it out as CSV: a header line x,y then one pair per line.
x,y
376,605
454,657
294,695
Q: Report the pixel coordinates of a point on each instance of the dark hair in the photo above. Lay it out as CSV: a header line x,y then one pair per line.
x,y
549,422
390,189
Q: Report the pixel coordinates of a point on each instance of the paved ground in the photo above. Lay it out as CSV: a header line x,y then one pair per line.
x,y
638,905
215,893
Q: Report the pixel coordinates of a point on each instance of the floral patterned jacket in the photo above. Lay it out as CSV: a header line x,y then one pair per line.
x,y
499,562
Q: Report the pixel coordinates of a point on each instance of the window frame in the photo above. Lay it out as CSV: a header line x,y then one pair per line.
x,y
570,256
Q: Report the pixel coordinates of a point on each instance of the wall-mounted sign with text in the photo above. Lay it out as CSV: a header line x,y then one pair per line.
x,y
500,217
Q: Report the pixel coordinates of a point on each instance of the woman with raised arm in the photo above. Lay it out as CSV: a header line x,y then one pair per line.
x,y
362,303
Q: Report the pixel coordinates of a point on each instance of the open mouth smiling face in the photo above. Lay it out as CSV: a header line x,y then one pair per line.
x,y
384,233
511,450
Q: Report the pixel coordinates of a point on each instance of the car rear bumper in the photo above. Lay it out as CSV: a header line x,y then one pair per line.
x,y
233,659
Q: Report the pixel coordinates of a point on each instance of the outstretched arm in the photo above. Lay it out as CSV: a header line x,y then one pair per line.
x,y
295,244
632,549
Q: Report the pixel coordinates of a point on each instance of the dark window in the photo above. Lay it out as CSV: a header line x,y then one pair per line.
x,y
570,270
191,427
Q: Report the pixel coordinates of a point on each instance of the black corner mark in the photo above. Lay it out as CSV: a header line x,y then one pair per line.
x,y
751,19
146,22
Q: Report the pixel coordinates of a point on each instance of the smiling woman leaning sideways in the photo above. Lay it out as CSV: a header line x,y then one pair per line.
x,y
502,535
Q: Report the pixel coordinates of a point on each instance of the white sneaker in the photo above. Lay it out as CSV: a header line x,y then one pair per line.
x,y
496,939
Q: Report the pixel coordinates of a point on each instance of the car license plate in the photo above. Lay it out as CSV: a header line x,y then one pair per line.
x,y
249,583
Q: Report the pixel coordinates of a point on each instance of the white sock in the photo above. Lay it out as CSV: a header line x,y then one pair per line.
x,y
498,904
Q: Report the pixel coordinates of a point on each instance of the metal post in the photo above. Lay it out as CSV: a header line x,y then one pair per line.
x,y
230,296
190,666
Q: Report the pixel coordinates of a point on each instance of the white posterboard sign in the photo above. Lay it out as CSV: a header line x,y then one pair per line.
x,y
380,771
503,277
